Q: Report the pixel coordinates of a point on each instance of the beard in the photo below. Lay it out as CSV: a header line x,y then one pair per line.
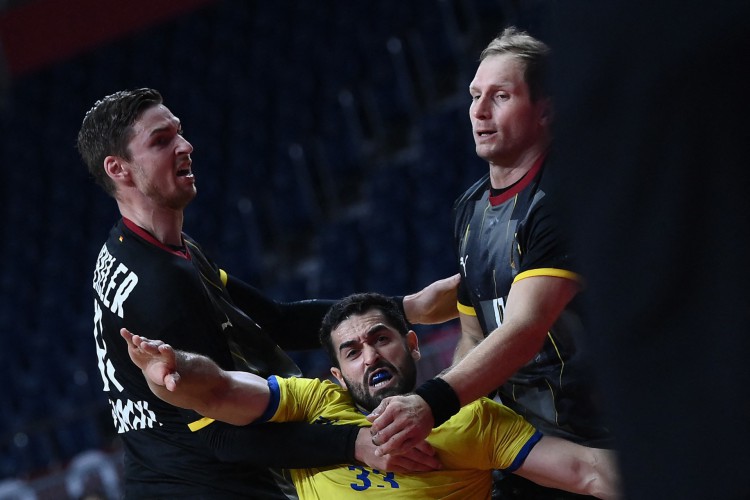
x,y
368,398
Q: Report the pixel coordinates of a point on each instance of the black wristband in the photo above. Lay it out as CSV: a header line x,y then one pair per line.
x,y
399,299
441,398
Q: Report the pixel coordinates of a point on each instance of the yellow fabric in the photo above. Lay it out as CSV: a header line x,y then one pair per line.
x,y
483,436
548,271
200,424
466,310
223,276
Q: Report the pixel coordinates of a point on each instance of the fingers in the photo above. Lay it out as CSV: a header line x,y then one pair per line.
x,y
421,458
453,280
397,443
424,448
404,464
125,333
376,414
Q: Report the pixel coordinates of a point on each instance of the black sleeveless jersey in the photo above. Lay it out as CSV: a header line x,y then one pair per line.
x,y
178,297
510,236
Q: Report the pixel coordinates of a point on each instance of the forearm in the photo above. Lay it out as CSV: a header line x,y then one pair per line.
x,y
561,464
493,361
201,385
604,477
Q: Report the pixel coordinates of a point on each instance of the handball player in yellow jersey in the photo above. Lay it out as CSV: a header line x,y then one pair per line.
x,y
374,356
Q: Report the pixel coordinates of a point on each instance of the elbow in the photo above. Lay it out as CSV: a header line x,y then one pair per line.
x,y
599,478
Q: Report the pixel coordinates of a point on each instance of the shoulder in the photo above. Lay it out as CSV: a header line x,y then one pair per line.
x,y
315,400
474,192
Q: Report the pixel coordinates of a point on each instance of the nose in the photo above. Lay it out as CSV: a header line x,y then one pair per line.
x,y
371,355
480,107
184,146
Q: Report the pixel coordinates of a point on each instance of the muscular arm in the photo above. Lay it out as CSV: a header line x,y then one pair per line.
x,y
533,306
195,382
561,464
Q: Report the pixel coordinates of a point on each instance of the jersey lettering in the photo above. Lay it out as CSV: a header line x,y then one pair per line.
x,y
499,309
367,479
106,369
118,286
131,415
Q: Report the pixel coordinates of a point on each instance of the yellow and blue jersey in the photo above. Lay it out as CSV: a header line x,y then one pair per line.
x,y
483,436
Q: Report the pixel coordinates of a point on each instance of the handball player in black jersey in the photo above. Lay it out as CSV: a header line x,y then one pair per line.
x,y
152,278
521,327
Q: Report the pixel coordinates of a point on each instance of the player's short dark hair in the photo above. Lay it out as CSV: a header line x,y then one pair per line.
x,y
108,127
533,53
359,303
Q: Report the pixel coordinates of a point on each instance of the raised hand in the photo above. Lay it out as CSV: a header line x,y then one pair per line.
x,y
156,359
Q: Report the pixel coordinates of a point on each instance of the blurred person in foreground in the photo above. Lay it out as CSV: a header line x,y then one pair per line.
x,y
654,141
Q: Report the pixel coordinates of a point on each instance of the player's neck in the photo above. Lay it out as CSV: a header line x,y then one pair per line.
x,y
504,174
163,224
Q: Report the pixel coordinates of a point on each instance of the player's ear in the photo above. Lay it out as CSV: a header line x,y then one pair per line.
x,y
546,111
116,168
413,343
337,375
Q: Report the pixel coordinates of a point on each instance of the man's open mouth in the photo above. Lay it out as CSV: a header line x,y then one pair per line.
x,y
380,377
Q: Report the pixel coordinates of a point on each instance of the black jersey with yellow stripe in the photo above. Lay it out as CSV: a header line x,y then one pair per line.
x,y
175,295
501,239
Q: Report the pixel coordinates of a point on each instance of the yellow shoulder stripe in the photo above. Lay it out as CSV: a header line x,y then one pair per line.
x,y
549,271
223,276
466,309
200,424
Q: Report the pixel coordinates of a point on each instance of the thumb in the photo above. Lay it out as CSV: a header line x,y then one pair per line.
x,y
171,381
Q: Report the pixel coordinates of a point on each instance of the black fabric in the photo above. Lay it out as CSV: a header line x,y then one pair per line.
x,y
159,293
497,240
441,398
331,442
293,325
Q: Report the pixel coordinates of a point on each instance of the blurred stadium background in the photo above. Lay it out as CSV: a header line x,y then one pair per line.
x,y
330,138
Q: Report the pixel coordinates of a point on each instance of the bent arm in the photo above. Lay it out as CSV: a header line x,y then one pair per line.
x,y
561,464
533,306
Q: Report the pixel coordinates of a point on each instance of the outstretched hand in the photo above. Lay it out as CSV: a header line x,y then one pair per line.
x,y
156,359
399,423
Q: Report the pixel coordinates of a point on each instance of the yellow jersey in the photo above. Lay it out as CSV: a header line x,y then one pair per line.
x,y
484,435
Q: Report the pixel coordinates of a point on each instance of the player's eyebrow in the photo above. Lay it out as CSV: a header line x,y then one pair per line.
x,y
374,330
164,128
